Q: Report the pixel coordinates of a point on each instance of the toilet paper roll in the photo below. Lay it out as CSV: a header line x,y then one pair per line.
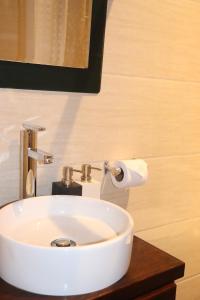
x,y
134,172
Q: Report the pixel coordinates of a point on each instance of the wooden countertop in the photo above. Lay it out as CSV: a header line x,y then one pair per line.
x,y
150,269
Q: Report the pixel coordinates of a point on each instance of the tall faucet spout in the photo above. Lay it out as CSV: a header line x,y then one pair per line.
x,y
29,157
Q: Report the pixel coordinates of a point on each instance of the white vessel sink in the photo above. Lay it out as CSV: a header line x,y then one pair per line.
x,y
99,235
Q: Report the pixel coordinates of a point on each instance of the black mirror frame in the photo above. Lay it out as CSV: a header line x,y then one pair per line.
x,y
42,77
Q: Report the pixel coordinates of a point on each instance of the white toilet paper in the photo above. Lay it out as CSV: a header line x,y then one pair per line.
x,y
135,173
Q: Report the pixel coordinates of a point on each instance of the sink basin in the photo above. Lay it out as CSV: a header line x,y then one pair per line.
x,y
64,245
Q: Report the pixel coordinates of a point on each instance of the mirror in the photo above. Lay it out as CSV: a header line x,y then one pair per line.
x,y
47,32
52,44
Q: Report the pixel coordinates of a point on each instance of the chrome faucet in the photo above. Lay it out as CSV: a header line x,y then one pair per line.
x,y
29,156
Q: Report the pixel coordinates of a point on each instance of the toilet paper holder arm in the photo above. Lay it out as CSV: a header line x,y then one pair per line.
x,y
113,170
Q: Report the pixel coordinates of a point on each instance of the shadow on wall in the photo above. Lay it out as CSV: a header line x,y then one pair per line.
x,y
110,2
60,144
9,180
112,194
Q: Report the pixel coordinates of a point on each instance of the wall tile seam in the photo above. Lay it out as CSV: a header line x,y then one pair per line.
x,y
59,163
168,224
189,278
131,76
189,154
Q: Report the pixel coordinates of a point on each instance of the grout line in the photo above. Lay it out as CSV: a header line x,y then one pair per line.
x,y
59,161
151,78
187,278
192,154
171,223
150,157
173,155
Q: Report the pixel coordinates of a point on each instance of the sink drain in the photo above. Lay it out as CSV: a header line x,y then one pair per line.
x,y
63,243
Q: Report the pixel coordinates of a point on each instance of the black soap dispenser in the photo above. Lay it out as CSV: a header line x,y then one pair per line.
x,y
67,186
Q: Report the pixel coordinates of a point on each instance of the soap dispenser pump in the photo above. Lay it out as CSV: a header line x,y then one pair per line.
x,y
67,186
90,186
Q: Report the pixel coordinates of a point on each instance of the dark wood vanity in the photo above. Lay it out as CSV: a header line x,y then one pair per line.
x,y
151,276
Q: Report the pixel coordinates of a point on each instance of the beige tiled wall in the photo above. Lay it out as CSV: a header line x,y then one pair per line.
x,y
149,107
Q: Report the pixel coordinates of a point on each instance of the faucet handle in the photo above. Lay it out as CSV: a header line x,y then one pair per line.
x,y
33,127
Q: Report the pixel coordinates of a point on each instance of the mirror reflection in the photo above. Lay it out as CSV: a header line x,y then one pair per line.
x,y
48,32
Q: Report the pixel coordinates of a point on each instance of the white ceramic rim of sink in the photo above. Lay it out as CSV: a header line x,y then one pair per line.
x,y
130,227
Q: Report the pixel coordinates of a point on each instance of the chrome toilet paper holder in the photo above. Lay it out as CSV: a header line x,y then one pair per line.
x,y
116,172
